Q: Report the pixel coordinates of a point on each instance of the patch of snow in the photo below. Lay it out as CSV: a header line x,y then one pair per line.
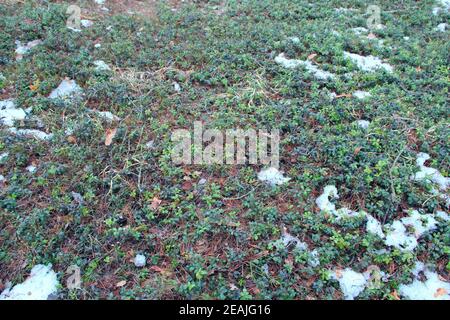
x,y
86,23
9,113
66,89
100,65
442,4
332,95
288,239
106,115
37,134
441,27
2,178
21,50
41,283
418,268
352,283
100,1
369,63
272,176
363,124
421,223
344,10
406,38
442,215
293,63
83,23
335,33
97,45
359,94
77,197
431,174
374,226
140,260
176,87
314,259
324,204
398,237
31,168
3,156
323,201
294,40
432,288
360,30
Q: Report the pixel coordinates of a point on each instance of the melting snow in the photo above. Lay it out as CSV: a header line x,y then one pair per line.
x,y
442,215
272,176
369,63
295,40
399,237
288,239
84,23
66,89
352,283
360,30
9,113
293,63
364,124
442,4
374,226
323,201
361,94
324,204
31,169
21,50
106,115
441,27
421,223
427,173
3,156
176,86
432,288
40,135
100,65
140,261
41,283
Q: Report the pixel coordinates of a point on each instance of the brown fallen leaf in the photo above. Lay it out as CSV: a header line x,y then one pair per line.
x,y
338,273
121,283
109,136
394,294
440,292
72,139
346,95
312,56
371,36
155,203
35,85
357,150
